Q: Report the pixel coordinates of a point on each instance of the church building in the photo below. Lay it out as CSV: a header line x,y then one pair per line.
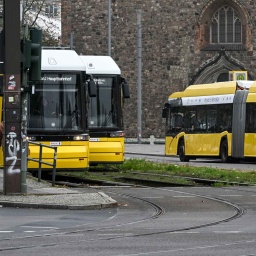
x,y
183,43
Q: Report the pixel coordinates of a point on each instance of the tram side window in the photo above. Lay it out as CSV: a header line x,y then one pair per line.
x,y
224,118
250,123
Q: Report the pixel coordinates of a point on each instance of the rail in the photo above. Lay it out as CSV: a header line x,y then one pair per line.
x,y
43,162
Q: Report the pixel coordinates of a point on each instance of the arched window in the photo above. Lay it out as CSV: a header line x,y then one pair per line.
x,y
226,26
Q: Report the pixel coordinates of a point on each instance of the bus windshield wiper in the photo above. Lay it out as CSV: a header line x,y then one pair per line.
x,y
69,121
108,119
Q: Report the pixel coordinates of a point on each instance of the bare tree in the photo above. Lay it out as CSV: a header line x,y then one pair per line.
x,y
1,15
34,14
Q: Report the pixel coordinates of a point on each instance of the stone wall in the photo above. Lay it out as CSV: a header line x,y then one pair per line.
x,y
170,47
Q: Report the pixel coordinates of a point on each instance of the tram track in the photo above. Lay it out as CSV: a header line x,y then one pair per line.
x,y
157,211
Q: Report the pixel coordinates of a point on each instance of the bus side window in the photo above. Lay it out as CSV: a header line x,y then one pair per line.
x,y
173,123
189,120
201,124
225,118
177,121
212,120
253,116
250,124
168,121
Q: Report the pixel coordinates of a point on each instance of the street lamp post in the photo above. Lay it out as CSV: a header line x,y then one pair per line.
x,y
109,27
139,50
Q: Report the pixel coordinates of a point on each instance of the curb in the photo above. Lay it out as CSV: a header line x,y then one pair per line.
x,y
95,201
57,206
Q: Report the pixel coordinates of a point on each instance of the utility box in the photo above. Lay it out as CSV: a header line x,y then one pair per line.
x,y
238,75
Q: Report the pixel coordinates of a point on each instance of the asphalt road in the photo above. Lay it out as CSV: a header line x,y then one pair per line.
x,y
148,221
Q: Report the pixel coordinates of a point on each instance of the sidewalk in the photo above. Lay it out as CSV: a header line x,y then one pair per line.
x,y
147,149
43,195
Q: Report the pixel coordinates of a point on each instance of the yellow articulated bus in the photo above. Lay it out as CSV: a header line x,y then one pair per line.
x,y
105,111
212,120
57,111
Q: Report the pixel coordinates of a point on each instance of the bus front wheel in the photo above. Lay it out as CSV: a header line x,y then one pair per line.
x,y
224,151
183,157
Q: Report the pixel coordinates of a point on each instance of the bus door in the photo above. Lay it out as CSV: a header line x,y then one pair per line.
x,y
174,127
200,138
195,126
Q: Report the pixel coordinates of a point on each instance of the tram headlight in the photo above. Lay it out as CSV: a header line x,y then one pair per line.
x,y
82,137
117,134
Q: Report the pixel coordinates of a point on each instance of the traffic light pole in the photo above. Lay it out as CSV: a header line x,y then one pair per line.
x,y
12,99
24,107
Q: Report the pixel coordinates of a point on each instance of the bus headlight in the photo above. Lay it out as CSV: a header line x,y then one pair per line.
x,y
117,134
81,137
31,138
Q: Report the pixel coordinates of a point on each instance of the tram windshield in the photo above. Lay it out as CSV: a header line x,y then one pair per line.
x,y
103,107
55,103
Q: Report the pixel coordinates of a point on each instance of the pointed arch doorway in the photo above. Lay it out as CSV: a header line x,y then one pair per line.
x,y
217,69
222,77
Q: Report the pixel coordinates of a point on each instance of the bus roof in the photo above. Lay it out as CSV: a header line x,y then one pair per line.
x,y
253,88
58,59
100,65
220,88
252,93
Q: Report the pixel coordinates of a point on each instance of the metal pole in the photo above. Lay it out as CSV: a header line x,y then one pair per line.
x,y
71,41
12,98
54,167
22,9
24,114
40,163
109,27
139,104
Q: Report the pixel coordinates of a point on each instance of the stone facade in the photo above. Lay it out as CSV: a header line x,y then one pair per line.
x,y
176,48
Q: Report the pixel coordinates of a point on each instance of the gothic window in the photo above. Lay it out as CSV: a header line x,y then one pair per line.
x,y
226,26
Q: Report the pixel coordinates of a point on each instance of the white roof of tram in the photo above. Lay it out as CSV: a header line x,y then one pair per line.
x,y
100,65
61,59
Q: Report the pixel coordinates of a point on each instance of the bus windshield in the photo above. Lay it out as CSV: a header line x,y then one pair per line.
x,y
103,107
55,104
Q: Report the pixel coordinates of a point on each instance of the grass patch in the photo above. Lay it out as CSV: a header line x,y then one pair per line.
x,y
164,172
190,171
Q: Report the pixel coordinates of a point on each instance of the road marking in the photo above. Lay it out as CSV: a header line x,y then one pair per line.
x,y
152,197
184,232
39,227
183,196
6,231
228,232
231,195
121,234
